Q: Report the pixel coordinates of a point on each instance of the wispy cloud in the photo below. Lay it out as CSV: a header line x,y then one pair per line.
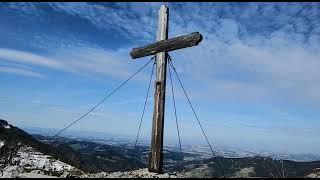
x,y
114,17
30,58
252,52
274,46
80,60
96,61
25,7
21,72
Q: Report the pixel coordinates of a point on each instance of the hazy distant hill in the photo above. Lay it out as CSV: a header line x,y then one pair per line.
x,y
99,157
245,167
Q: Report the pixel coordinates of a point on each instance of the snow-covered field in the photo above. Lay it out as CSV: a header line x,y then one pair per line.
x,y
140,173
29,161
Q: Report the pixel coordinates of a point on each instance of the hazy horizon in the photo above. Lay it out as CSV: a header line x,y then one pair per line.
x,y
130,138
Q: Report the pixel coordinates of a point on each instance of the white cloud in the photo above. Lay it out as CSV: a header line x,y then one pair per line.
x,y
287,71
21,72
86,61
257,67
257,48
106,17
25,7
96,61
30,58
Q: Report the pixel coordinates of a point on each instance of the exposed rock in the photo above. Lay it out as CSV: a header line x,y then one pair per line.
x,y
199,172
140,173
27,162
245,172
315,174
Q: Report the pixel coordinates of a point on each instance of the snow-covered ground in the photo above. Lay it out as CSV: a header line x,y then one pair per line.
x,y
1,143
29,163
140,173
34,175
7,126
27,160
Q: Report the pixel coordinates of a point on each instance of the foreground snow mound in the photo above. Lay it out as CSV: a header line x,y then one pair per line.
x,y
140,173
314,174
28,162
1,143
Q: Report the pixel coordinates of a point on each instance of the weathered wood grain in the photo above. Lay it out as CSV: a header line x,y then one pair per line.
x,y
156,154
167,45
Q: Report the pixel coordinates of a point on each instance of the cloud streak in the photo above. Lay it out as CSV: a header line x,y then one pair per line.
x,y
30,58
21,72
79,60
262,49
107,17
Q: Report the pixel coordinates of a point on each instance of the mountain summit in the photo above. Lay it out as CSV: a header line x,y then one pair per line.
x,y
21,155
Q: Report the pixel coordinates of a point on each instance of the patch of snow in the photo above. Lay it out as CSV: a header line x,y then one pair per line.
x,y
6,126
1,143
28,162
11,171
140,173
36,160
34,175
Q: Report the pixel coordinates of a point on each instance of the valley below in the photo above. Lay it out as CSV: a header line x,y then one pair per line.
x,y
35,154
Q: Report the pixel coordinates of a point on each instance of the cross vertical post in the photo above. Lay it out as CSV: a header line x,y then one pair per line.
x,y
156,154
160,49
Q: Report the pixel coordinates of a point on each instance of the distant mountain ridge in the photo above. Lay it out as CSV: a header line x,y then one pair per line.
x,y
36,155
203,150
15,138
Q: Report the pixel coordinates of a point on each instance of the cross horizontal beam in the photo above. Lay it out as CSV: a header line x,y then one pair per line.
x,y
172,44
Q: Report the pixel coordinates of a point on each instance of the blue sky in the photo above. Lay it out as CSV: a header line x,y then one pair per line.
x,y
254,79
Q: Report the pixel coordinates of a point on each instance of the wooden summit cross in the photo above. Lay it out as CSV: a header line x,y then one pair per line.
x,y
160,48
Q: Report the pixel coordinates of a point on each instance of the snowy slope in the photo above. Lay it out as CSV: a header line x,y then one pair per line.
x,y
1,143
29,161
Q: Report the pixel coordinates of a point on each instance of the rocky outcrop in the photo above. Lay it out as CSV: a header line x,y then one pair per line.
x,y
314,174
140,173
28,162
